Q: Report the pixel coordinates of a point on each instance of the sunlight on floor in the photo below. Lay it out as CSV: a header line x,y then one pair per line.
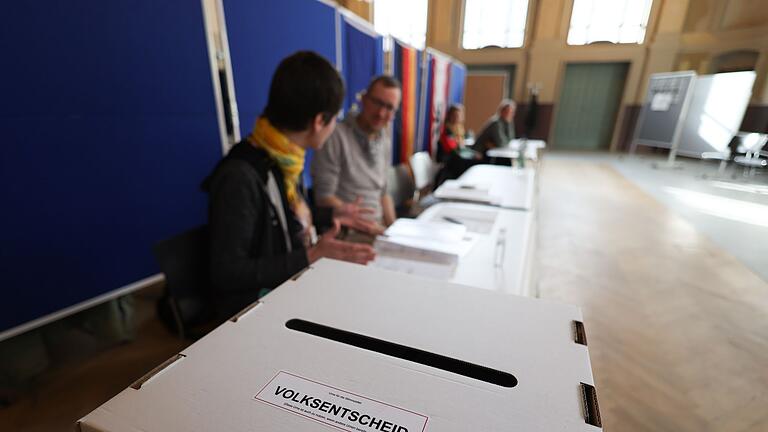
x,y
727,208
741,187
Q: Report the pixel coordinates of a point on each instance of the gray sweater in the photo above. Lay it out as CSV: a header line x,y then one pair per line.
x,y
350,165
496,133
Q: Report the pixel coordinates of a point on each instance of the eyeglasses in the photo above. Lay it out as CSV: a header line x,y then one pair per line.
x,y
381,104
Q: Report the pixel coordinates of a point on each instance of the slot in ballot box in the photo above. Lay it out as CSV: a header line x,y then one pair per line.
x,y
351,348
495,185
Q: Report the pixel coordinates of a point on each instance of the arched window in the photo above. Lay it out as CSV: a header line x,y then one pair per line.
x,y
403,19
615,21
494,23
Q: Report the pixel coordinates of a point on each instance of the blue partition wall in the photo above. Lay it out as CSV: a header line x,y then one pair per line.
x,y
108,125
362,58
456,86
261,33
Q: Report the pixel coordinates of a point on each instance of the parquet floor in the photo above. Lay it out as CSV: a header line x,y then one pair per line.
x,y
677,328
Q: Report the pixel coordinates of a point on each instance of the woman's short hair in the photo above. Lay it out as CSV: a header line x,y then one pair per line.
x,y
303,86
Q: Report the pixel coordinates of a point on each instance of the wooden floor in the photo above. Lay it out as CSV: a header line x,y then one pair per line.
x,y
66,394
677,328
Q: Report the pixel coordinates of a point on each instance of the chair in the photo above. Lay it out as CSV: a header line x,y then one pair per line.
x,y
400,187
751,145
185,307
723,156
424,170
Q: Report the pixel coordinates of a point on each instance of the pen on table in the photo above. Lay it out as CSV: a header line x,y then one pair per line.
x,y
452,220
501,247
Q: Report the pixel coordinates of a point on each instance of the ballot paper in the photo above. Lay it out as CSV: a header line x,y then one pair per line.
x,y
661,101
467,191
426,248
443,230
475,220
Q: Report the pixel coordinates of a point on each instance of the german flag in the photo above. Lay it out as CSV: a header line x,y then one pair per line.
x,y
406,68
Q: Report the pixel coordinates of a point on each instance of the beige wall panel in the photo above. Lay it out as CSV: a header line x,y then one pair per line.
x,y
699,15
696,61
543,70
673,16
745,14
443,20
361,8
488,56
548,17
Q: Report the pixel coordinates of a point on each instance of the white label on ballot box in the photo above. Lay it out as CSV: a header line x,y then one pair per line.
x,y
337,408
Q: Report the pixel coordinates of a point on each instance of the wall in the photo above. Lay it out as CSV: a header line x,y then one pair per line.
x,y
681,34
363,8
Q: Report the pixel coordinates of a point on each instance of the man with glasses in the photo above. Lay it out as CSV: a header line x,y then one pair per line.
x,y
352,167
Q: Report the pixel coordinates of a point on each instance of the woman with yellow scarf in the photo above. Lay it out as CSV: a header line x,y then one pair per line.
x,y
261,228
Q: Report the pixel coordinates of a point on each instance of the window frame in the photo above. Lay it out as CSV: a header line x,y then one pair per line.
x,y
526,31
649,26
388,35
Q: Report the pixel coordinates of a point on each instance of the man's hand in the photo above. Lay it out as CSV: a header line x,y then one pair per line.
x,y
388,209
354,216
330,247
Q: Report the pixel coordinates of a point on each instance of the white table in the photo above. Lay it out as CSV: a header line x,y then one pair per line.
x,y
512,151
502,186
501,256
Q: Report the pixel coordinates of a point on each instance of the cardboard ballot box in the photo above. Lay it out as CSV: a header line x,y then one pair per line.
x,y
351,348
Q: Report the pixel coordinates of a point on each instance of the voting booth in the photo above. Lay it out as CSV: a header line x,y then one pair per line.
x,y
347,347
693,114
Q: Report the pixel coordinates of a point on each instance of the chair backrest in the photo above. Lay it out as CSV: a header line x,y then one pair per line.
x,y
184,261
400,185
752,142
423,169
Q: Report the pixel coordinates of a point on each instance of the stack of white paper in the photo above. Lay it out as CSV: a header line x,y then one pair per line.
x,y
476,219
443,231
422,247
467,191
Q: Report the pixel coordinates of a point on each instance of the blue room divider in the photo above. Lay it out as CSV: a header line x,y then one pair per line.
x,y
261,33
458,81
109,124
362,57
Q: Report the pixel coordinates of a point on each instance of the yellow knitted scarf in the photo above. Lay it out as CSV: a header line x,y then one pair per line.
x,y
288,155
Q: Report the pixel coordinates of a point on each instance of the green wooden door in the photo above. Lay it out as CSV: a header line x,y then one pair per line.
x,y
588,104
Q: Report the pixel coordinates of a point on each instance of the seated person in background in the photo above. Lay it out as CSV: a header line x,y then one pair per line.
x,y
452,138
353,165
451,152
499,130
259,224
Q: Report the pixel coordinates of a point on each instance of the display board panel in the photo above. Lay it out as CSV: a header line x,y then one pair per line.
x,y
109,125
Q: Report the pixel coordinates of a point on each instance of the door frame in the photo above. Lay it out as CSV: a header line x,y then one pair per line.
x,y
509,69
